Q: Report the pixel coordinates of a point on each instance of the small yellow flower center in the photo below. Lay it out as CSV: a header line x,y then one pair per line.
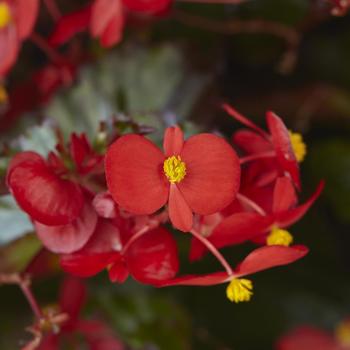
x,y
239,289
298,145
278,236
174,169
5,15
3,95
342,333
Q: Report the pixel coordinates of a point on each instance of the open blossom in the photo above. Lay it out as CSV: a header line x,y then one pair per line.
x,y
200,175
241,289
287,148
105,19
309,337
17,18
269,228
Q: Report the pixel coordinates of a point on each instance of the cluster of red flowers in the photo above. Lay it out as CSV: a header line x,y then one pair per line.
x,y
108,209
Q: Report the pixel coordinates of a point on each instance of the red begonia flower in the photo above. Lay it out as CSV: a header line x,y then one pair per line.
x,y
307,338
41,193
150,258
70,237
241,289
17,18
147,6
279,139
199,175
97,334
240,227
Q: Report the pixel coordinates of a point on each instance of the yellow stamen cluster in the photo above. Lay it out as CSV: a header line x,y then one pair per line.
x,y
5,15
3,95
239,289
278,236
342,333
298,145
174,169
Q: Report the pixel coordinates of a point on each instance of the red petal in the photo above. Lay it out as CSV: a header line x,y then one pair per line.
x,y
102,13
113,33
289,217
173,141
196,280
236,115
212,173
69,25
180,214
83,265
71,237
26,15
307,338
149,6
72,297
104,205
135,178
41,193
284,196
153,257
118,272
240,227
269,256
9,47
284,151
251,142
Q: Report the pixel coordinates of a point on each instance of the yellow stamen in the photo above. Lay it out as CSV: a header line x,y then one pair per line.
x,y
5,15
174,169
278,236
298,145
239,289
3,95
342,333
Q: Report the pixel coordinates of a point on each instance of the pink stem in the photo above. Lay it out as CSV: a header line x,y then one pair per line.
x,y
242,198
214,251
53,9
267,154
135,237
31,299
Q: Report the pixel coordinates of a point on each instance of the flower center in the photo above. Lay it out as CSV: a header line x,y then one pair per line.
x,y
239,289
298,145
342,333
278,236
5,15
174,169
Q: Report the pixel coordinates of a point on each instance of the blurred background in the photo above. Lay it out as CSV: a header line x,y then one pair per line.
x,y
289,56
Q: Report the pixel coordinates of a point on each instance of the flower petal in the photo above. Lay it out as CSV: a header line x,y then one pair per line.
x,y
153,257
135,178
289,217
180,213
118,272
284,196
41,193
251,142
269,256
9,47
26,15
148,6
212,173
173,141
245,121
284,151
102,13
71,237
113,33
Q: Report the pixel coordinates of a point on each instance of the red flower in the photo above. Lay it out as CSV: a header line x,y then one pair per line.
x,y
97,334
105,19
308,337
264,229
288,148
149,255
199,175
240,289
17,18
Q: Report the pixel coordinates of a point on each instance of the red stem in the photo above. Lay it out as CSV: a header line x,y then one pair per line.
x,y
24,285
53,9
214,251
242,198
42,43
267,154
